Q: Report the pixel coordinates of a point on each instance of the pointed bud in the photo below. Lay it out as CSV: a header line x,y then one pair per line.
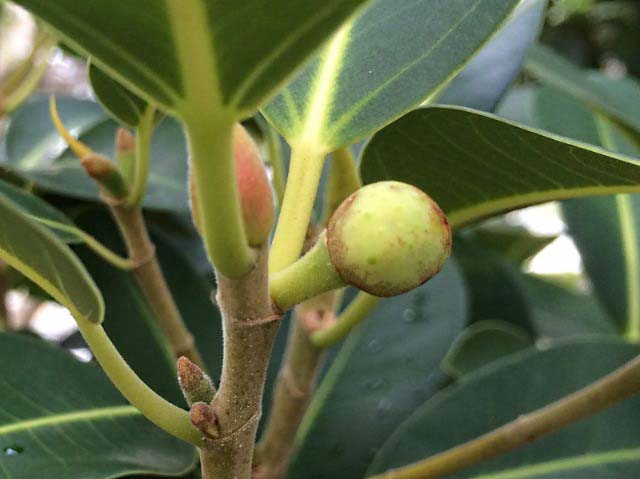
x,y
126,153
106,174
203,418
79,149
195,384
256,197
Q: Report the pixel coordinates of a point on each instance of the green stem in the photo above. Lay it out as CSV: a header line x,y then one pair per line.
x,y
212,160
162,413
93,244
26,87
144,132
311,275
611,389
353,315
302,184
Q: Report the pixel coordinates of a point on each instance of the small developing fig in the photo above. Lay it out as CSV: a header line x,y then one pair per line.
x,y
256,197
387,238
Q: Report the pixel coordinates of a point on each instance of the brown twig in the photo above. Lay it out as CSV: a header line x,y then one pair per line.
x,y
611,389
294,387
250,328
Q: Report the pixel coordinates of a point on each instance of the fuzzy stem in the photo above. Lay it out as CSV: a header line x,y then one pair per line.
x,y
311,275
357,310
159,411
151,281
250,328
144,132
293,390
302,184
212,160
611,389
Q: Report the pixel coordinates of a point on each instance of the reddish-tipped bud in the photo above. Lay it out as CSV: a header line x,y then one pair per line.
x,y
203,418
125,141
256,197
106,174
195,384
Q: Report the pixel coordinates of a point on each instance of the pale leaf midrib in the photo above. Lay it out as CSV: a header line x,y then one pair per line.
x,y
70,417
460,217
566,464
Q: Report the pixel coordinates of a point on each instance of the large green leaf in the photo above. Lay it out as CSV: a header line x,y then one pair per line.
x,y
621,103
604,446
39,255
34,150
611,260
38,208
156,47
498,63
362,80
476,165
60,418
387,366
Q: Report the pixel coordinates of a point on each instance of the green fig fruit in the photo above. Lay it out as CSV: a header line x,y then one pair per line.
x,y
387,238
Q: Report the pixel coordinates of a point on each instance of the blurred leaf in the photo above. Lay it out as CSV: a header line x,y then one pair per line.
x,y
611,260
621,104
249,50
122,104
361,81
34,206
603,446
45,260
60,418
476,165
558,312
488,75
482,343
492,283
514,243
34,151
516,105
387,366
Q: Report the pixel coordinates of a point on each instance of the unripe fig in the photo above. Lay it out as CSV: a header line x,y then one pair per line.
x,y
256,197
387,238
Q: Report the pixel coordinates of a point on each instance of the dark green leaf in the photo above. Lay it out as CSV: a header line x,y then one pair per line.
x,y
557,311
492,282
476,165
45,260
124,106
604,446
386,367
484,80
247,51
512,242
482,343
60,418
363,80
